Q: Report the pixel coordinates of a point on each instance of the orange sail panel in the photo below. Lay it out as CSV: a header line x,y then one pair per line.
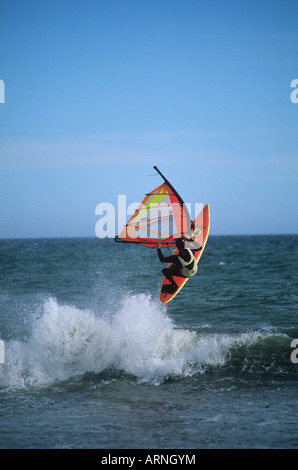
x,y
161,217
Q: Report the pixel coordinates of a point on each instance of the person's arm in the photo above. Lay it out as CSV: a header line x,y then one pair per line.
x,y
162,258
199,247
194,246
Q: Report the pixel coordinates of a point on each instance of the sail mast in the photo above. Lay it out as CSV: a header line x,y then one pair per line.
x,y
175,192
158,171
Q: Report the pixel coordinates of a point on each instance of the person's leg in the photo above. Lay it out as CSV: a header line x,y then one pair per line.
x,y
169,273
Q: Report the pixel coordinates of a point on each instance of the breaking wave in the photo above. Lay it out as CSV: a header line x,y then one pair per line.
x,y
138,338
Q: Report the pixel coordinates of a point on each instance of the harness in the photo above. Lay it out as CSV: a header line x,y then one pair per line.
x,y
189,268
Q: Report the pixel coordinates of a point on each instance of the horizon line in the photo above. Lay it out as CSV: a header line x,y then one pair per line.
x,y
89,237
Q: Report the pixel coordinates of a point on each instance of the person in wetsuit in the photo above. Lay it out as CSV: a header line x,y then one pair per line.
x,y
184,264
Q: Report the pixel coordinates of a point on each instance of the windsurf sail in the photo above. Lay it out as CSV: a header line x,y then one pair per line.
x,y
161,217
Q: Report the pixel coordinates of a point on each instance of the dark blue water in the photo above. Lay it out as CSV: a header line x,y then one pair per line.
x,y
93,360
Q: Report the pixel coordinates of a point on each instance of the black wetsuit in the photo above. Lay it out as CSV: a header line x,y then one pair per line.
x,y
175,269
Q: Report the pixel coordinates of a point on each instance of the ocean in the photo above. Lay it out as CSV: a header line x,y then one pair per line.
x,y
92,360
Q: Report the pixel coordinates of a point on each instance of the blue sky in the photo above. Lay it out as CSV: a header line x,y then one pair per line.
x,y
97,92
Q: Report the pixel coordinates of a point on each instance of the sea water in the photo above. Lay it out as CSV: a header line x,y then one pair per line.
x,y
94,360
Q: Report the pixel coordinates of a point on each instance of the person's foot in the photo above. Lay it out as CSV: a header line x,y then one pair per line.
x,y
169,288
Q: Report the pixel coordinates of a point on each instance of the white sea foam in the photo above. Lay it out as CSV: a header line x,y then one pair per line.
x,y
138,337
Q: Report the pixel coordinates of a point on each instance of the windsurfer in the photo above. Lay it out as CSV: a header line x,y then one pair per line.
x,y
184,264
